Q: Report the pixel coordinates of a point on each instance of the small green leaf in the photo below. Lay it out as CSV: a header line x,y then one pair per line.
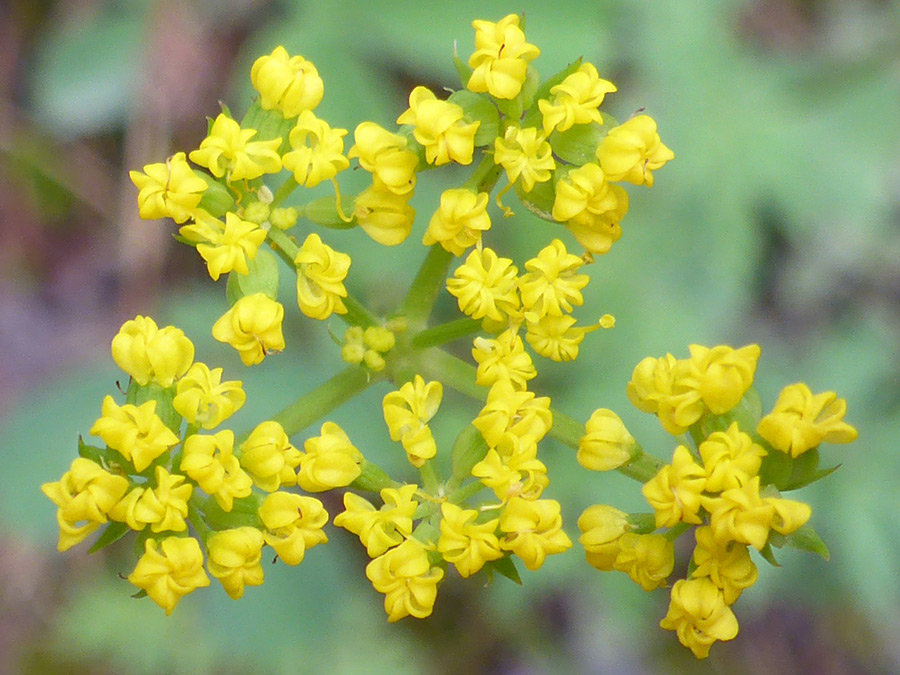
x,y
140,394
478,108
578,144
776,468
504,567
642,523
217,200
769,556
113,532
269,124
372,479
468,449
807,539
92,452
462,68
262,278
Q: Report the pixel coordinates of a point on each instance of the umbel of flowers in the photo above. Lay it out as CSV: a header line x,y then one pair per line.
x,y
200,500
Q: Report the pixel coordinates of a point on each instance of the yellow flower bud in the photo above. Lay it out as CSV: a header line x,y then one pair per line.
x,y
269,458
440,128
232,247
526,156
209,460
727,565
500,60
253,327
202,398
320,279
293,525
163,507
168,190
407,413
380,529
633,151
407,580
533,530
465,543
602,526
459,221
385,155
675,492
228,151
647,558
730,458
169,570
317,151
606,444
330,460
575,100
134,431
699,616
485,286
503,357
148,353
287,83
235,559
383,214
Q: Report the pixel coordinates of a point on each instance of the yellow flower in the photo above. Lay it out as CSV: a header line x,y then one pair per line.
x,y
508,412
253,327
202,398
526,156
720,375
675,492
459,221
533,530
518,473
727,565
380,529
602,527
233,247
169,570
210,461
147,352
502,358
287,83
84,495
234,559
317,150
330,460
552,284
168,190
699,616
384,214
730,458
465,543
590,207
802,420
485,286
407,413
440,128
228,151
633,151
575,100
555,337
268,456
163,508
320,279
293,525
647,558
385,155
134,431
407,580
500,60
606,444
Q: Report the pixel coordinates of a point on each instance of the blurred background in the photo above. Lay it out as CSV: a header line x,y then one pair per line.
x,y
778,223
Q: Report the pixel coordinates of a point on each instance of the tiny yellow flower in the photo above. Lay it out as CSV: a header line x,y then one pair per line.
x,y
169,570
606,444
293,525
526,156
380,529
727,565
720,375
503,357
210,461
590,207
84,495
575,100
675,492
518,473
602,527
407,413
802,420
330,460
508,412
385,156
552,284
269,458
287,83
459,221
647,558
464,543
317,152
135,432
440,128
740,514
383,214
202,398
233,247
147,352
235,559
228,151
407,580
632,151
320,278
699,616
555,337
533,530
485,286
163,507
253,327
730,458
500,60
168,190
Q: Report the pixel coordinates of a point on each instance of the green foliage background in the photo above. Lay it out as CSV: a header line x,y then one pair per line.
x,y
777,223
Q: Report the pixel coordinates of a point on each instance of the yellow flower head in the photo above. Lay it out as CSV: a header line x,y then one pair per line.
x,y
168,190
320,278
518,473
407,413
485,286
575,100
552,284
235,558
740,514
647,558
330,460
407,580
317,151
385,155
253,327
501,57
169,570
228,151
459,221
606,444
84,495
287,83
590,207
464,543
730,458
602,527
727,565
802,420
440,128
526,156
720,375
380,529
147,352
202,398
632,151
555,337
384,214
533,530
135,432
699,615
231,247
210,461
293,525
503,358
163,507
675,492
509,412
268,456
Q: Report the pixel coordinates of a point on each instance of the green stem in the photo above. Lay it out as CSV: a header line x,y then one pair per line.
x,y
425,287
485,175
358,314
430,479
283,192
283,245
447,332
466,491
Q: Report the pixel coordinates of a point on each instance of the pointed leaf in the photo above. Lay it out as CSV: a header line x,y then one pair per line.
x,y
807,539
769,556
113,532
506,567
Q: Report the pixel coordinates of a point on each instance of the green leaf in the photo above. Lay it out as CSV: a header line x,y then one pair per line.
x,y
578,144
642,523
262,278
113,532
776,468
140,394
807,539
478,108
92,452
216,200
269,124
462,68
506,567
469,448
372,479
769,556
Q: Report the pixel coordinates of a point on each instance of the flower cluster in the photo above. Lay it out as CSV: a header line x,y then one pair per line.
x,y
726,478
